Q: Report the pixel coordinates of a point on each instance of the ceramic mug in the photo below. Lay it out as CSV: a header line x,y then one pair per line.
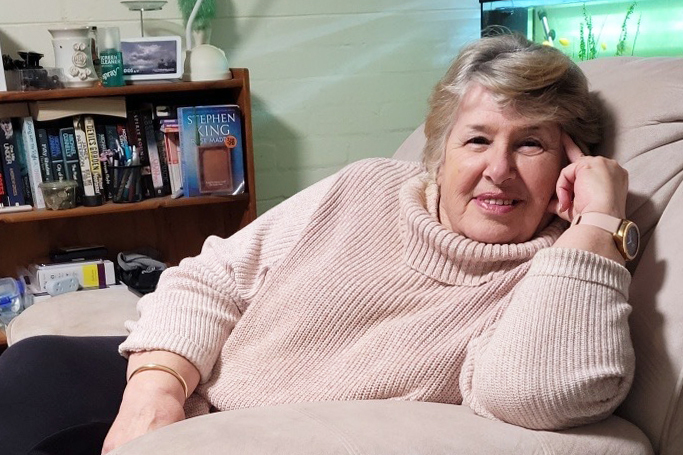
x,y
73,54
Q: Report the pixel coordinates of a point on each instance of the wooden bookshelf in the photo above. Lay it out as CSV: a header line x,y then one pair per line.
x,y
175,227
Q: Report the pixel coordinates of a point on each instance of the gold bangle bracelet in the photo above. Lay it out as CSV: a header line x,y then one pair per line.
x,y
171,371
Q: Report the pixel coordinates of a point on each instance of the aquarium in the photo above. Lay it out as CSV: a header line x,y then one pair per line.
x,y
592,29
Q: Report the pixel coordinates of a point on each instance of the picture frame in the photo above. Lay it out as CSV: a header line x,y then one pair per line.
x,y
149,58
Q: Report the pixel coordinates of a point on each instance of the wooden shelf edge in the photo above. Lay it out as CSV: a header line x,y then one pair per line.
x,y
237,81
110,207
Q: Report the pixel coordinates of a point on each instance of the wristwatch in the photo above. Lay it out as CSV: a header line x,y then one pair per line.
x,y
625,233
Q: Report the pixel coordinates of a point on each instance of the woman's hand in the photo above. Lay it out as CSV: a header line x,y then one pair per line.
x,y
152,399
589,184
145,407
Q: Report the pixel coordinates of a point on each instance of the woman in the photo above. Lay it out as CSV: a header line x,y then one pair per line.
x,y
461,284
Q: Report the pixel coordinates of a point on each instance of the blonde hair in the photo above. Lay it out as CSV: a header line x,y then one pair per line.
x,y
536,81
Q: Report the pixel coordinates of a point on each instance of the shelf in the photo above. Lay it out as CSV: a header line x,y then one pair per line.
x,y
134,89
110,207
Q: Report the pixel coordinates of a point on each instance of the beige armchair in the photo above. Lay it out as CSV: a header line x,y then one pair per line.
x,y
646,98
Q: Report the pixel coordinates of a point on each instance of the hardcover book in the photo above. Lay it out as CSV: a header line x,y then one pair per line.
x,y
10,164
212,150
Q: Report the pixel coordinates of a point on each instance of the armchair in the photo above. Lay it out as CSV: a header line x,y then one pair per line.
x,y
645,97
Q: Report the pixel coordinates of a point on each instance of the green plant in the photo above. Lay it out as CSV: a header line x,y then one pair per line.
x,y
621,44
206,13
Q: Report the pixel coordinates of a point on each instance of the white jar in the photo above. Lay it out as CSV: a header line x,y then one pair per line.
x,y
73,54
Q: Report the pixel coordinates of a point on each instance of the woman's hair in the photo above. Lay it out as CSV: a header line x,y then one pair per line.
x,y
538,82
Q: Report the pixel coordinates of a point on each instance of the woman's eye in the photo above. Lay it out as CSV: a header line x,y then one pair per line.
x,y
478,142
530,147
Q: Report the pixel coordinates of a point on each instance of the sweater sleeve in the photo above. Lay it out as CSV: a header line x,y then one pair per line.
x,y
196,304
561,354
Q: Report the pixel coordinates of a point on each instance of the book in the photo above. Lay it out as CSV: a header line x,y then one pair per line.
x,y
44,155
28,133
84,161
169,132
23,164
10,164
136,138
3,191
97,273
94,153
212,149
56,154
157,161
71,160
105,154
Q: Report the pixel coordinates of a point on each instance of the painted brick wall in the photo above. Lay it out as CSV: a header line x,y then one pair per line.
x,y
332,82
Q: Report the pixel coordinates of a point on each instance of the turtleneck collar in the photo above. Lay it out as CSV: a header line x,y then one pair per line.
x,y
438,252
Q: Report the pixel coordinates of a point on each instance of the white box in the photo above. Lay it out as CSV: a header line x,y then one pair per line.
x,y
91,274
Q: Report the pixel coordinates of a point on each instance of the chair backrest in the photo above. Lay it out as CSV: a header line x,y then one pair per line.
x,y
645,100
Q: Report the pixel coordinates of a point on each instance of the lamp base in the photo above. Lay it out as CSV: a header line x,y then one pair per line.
x,y
206,63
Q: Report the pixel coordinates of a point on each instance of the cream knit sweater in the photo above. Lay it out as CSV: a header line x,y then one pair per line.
x,y
353,290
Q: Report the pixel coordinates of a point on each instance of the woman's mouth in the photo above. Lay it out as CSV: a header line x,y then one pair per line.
x,y
496,205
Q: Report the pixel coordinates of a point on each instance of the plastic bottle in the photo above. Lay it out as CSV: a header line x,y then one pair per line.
x,y
111,60
14,298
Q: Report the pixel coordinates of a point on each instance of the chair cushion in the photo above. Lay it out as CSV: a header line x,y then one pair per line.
x,y
645,100
100,312
377,427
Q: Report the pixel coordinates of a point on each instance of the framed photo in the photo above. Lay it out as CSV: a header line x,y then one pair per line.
x,y
148,58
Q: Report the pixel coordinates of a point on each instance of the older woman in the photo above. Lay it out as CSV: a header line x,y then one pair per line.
x,y
456,281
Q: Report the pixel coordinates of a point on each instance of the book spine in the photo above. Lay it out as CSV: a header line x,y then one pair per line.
x,y
105,154
72,161
170,133
188,145
94,153
136,138
153,152
10,165
28,132
23,163
3,189
44,155
56,154
83,157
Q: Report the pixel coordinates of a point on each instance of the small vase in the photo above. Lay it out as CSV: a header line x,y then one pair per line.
x,y
73,54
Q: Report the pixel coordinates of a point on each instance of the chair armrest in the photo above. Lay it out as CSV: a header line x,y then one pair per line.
x,y
379,427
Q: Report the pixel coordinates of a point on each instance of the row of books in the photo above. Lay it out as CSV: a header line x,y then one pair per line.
x,y
190,151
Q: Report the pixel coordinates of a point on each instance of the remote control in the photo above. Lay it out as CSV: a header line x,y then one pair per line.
x,y
62,285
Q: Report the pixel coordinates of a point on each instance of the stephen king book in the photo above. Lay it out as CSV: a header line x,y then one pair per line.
x,y
211,150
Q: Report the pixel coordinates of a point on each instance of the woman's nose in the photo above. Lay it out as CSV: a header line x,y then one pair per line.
x,y
500,165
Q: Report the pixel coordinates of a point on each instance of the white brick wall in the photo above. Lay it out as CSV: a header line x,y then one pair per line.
x,y
332,82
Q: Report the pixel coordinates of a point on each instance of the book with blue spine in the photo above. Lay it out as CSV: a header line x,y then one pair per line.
x,y
212,150
56,154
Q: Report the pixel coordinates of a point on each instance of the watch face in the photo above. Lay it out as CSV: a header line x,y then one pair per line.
x,y
632,240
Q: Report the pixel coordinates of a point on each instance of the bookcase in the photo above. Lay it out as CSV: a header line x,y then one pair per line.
x,y
174,227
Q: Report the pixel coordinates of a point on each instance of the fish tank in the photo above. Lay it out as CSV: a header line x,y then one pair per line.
x,y
585,30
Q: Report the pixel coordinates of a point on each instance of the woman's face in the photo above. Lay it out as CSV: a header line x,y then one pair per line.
x,y
499,171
